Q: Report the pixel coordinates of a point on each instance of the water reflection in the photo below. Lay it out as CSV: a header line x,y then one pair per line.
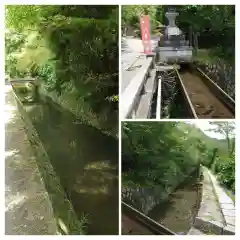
x,y
86,162
179,211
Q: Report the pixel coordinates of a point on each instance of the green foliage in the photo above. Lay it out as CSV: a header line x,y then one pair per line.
x,y
225,164
13,43
70,48
164,154
226,172
131,14
215,24
155,152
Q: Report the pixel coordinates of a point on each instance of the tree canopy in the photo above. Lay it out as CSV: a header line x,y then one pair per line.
x,y
157,153
215,24
71,48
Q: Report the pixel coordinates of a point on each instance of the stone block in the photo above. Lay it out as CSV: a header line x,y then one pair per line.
x,y
230,220
208,226
229,206
228,230
228,212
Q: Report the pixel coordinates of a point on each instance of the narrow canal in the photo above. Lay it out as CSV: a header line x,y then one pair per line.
x,y
176,213
85,160
179,211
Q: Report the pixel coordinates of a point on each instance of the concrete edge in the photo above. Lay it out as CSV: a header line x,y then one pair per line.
x,y
228,228
134,87
210,227
214,227
65,216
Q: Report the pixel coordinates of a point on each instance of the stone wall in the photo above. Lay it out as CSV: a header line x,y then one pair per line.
x,y
144,199
222,73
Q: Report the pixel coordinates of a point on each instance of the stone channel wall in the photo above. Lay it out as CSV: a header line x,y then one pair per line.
x,y
145,199
216,215
222,73
67,220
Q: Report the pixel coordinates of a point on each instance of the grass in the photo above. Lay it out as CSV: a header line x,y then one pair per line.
x,y
205,55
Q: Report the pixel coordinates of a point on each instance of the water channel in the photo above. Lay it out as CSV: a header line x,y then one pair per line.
x,y
179,211
85,160
176,213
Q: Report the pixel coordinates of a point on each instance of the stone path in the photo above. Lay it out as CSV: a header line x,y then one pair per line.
x,y
132,59
28,210
216,215
226,205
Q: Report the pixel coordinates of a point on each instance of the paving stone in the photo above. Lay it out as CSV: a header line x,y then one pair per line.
x,y
229,230
229,206
209,227
224,199
230,220
228,212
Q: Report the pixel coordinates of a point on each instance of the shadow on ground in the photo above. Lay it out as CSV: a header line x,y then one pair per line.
x,y
86,162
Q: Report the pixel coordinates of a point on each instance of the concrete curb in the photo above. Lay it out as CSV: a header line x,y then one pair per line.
x,y
206,226
66,218
226,206
133,89
227,209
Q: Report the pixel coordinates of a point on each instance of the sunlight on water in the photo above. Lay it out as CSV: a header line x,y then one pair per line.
x,y
98,165
62,226
103,190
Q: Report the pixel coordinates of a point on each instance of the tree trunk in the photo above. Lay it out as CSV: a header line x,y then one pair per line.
x,y
190,36
195,42
213,161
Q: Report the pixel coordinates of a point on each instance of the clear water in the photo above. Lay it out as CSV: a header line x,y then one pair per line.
x,y
85,160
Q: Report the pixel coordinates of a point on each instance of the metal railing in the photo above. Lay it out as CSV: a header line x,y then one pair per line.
x,y
144,220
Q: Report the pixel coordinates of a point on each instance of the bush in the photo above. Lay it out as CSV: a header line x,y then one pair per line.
x,y
226,173
72,46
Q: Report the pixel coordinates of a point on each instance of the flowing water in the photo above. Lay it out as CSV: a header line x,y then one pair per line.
x,y
85,160
178,212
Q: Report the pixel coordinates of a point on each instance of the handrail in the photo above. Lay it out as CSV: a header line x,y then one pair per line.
x,y
152,225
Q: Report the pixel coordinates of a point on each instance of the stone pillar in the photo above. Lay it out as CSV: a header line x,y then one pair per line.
x,y
171,16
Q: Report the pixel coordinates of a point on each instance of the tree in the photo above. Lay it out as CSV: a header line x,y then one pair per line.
x,y
227,129
73,50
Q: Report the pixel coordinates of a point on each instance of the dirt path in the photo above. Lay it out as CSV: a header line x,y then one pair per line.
x,y
28,210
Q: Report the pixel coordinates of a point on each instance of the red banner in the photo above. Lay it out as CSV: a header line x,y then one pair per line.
x,y
145,31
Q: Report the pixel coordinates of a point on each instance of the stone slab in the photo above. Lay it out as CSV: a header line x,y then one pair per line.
x,y
229,230
208,226
229,206
132,58
230,220
228,212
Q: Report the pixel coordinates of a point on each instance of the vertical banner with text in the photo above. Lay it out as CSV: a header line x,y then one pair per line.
x,y
145,31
